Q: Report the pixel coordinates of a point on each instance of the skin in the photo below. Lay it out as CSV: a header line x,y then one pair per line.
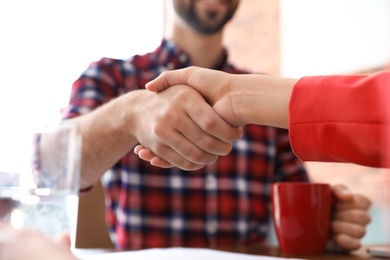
x,y
34,245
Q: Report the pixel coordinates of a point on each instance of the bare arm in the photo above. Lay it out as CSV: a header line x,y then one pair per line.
x,y
177,125
105,140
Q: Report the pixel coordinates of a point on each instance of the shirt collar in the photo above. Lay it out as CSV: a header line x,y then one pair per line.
x,y
175,58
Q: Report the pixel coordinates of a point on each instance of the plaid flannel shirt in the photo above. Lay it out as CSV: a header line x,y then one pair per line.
x,y
223,204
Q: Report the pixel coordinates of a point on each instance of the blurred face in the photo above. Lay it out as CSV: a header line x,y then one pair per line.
x,y
206,16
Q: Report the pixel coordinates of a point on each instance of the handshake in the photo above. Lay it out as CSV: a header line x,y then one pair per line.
x,y
214,105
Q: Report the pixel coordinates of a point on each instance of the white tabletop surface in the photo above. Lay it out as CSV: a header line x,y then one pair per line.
x,y
166,254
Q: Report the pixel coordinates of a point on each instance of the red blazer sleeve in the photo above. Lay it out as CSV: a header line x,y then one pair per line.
x,y
342,119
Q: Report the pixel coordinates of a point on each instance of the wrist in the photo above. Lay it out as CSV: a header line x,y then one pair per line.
x,y
263,100
127,109
245,95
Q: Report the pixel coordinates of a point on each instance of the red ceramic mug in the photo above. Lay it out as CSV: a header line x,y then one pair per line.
x,y
301,213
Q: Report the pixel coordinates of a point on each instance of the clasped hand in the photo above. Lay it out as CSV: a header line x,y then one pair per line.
x,y
210,133
177,127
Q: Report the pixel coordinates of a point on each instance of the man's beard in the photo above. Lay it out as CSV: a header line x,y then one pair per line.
x,y
208,26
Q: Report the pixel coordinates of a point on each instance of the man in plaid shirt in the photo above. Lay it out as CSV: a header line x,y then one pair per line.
x,y
224,199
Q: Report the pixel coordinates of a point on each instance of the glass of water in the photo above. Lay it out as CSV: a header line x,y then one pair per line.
x,y
45,197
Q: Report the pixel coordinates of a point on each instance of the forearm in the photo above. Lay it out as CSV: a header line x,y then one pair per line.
x,y
262,100
106,138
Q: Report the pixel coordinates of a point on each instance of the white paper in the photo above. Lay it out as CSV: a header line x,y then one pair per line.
x,y
172,254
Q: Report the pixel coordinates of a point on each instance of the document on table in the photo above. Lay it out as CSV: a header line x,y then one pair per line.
x,y
174,253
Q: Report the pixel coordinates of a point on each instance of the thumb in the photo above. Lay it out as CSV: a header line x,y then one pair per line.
x,y
167,79
342,193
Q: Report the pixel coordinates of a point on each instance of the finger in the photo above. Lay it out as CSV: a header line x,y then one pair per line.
x,y
147,155
191,143
350,229
167,79
198,78
211,123
206,137
181,153
158,162
138,148
342,193
332,246
343,242
358,202
171,145
356,216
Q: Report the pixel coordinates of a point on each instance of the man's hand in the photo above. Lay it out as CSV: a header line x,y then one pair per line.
x,y
178,127
350,218
212,85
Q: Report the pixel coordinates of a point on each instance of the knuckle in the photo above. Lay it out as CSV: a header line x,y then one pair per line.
x,y
359,216
208,124
362,201
227,148
368,219
335,226
346,242
202,157
354,216
367,202
189,166
208,144
199,156
362,233
170,114
159,130
210,158
358,231
191,155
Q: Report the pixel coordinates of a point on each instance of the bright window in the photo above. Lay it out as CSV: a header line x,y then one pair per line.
x,y
46,44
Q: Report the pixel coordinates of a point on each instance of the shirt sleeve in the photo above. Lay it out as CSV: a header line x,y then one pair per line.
x,y
288,167
97,85
342,119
